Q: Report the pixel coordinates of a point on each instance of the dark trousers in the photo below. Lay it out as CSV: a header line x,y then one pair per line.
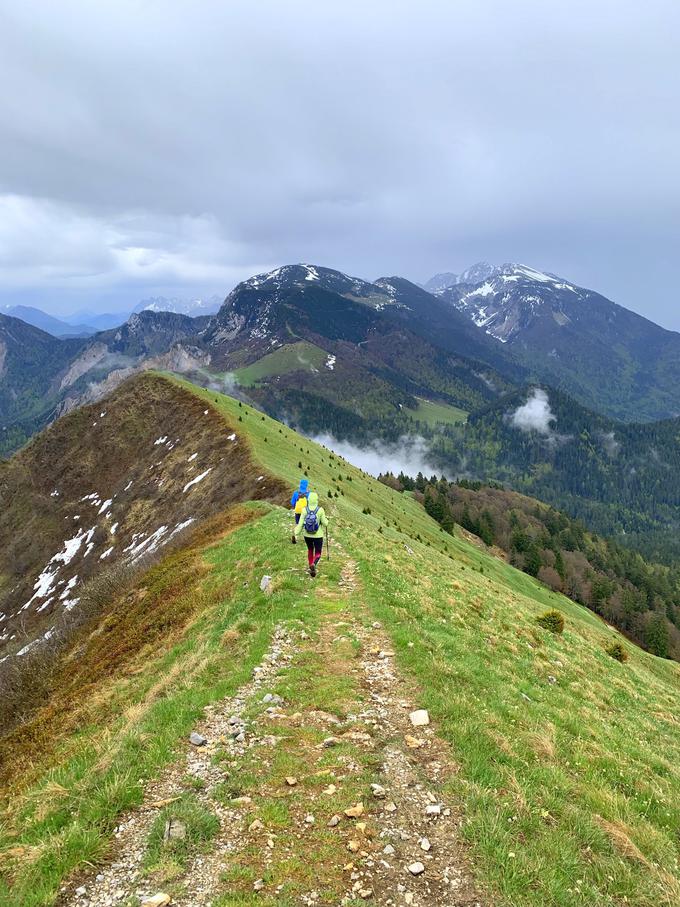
x,y
314,548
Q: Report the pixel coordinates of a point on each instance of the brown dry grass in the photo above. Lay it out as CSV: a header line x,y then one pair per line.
x,y
618,834
105,654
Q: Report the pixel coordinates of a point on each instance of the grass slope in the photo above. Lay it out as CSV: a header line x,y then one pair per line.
x,y
290,358
433,414
569,762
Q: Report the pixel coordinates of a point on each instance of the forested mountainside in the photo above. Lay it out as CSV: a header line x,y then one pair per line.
x,y
641,598
621,480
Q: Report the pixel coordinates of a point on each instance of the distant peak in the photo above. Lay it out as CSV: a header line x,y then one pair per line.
x,y
482,270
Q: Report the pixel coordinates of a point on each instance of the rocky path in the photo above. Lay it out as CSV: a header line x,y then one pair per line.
x,y
323,785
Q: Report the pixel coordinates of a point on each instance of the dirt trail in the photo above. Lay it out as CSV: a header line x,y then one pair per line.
x,y
285,839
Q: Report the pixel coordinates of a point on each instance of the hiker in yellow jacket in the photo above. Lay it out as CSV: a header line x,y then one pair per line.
x,y
312,524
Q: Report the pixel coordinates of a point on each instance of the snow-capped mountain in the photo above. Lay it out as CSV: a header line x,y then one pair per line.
x,y
506,300
180,305
474,274
613,360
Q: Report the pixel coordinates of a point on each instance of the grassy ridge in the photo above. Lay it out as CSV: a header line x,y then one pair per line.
x,y
569,762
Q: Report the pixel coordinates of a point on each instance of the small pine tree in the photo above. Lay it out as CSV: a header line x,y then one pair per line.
x,y
552,620
617,651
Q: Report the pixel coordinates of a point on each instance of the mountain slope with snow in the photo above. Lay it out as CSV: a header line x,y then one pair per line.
x,y
610,358
107,486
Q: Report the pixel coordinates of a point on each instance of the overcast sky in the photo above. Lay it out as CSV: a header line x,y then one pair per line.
x,y
177,147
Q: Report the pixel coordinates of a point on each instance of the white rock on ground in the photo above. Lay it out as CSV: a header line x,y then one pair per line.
x,y
419,718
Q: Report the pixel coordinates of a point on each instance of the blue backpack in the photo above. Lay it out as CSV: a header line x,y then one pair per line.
x,y
311,523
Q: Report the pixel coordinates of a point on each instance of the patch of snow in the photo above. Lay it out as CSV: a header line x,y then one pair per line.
x,y
105,505
160,440
486,289
179,527
128,485
231,437
192,457
70,603
330,362
27,648
106,553
311,273
205,412
113,528
147,545
54,494
67,588
259,478
196,480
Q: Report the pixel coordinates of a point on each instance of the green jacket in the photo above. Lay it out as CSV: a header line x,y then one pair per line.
x,y
312,504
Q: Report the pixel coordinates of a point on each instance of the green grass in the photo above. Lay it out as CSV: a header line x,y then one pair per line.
x,y
432,413
290,358
200,824
569,762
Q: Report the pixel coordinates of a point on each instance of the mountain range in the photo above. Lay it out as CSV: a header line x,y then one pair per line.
x,y
365,361
85,323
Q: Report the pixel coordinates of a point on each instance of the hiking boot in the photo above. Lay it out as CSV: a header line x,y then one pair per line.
x,y
312,570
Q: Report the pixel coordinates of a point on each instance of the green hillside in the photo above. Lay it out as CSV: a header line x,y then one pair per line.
x,y
300,356
562,764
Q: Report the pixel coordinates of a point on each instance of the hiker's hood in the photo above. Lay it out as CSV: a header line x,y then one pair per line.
x,y
304,485
313,500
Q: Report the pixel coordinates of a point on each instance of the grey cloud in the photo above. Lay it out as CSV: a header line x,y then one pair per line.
x,y
168,145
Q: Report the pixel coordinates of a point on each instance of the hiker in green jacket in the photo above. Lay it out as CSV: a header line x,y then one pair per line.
x,y
312,525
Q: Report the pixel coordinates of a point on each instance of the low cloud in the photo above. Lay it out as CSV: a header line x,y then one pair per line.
x,y
535,414
610,444
409,455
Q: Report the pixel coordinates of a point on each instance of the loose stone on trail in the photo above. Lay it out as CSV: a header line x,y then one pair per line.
x,y
157,900
419,718
197,739
353,812
174,830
